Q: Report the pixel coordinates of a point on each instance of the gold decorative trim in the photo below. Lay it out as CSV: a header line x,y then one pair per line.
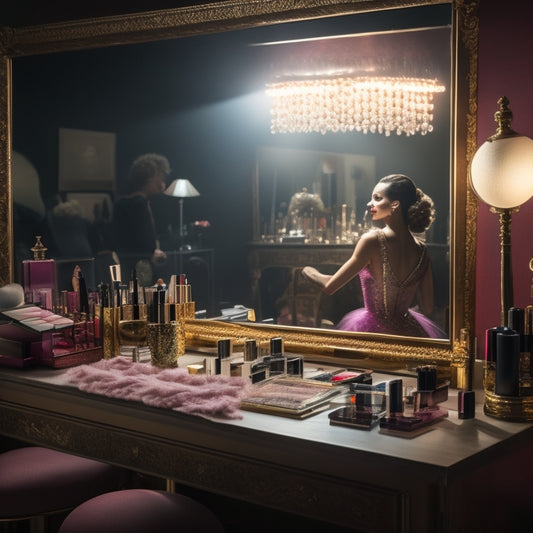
x,y
387,353
513,409
293,490
180,22
6,217
457,354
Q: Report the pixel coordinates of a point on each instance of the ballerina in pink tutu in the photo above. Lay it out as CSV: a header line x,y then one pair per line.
x,y
393,265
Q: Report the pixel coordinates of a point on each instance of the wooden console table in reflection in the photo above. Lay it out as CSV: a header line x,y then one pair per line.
x,y
263,256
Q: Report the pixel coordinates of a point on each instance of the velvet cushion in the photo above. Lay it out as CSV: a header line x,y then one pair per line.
x,y
35,480
141,511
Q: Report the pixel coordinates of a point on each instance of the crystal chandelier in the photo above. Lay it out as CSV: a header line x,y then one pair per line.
x,y
363,104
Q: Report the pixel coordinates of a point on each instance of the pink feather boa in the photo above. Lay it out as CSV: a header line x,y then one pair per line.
x,y
170,388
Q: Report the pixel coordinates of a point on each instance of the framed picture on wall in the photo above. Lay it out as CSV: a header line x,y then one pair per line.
x,y
86,160
94,207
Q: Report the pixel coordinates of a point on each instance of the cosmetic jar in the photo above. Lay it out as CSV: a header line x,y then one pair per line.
x,y
166,342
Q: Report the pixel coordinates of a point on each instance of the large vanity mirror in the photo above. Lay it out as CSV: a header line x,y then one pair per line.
x,y
191,83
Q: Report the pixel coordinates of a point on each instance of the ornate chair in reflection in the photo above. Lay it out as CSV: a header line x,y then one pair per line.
x,y
302,304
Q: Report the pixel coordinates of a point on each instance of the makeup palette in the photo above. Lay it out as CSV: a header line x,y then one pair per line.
x,y
36,319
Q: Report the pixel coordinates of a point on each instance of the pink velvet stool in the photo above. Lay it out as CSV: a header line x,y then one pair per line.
x,y
141,511
36,481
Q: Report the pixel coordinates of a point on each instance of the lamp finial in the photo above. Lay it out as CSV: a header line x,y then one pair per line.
x,y
503,117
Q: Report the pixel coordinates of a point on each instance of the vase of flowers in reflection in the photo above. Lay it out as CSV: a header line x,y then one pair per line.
x,y
306,211
199,233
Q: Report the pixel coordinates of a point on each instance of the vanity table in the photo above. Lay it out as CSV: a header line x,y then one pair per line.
x,y
463,475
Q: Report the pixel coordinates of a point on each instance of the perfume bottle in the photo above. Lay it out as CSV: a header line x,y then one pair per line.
x,y
39,276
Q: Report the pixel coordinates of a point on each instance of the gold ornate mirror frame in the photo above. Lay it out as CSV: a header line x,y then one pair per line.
x,y
372,351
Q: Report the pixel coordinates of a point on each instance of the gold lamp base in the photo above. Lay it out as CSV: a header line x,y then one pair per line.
x,y
511,408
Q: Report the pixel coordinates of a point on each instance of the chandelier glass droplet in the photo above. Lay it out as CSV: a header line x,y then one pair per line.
x,y
382,105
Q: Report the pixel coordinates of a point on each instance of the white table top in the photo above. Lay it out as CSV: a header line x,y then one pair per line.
x,y
447,443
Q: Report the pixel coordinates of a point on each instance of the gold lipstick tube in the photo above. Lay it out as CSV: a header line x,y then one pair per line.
x,y
110,340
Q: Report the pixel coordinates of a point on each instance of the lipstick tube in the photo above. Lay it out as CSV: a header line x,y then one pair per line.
x,y
110,338
183,296
188,301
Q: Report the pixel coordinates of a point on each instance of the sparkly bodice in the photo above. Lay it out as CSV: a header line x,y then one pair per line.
x,y
389,298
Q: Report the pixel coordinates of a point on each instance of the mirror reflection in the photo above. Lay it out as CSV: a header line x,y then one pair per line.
x,y
201,103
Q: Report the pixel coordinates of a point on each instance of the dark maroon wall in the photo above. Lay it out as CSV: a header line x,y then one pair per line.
x,y
505,69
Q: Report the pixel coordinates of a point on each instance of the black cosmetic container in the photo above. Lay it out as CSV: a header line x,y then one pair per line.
x,y
276,360
507,364
222,363
395,397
